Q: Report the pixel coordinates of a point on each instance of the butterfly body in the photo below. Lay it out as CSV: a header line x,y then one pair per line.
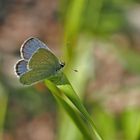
x,y
37,63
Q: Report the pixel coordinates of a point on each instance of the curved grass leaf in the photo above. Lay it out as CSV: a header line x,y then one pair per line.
x,y
66,96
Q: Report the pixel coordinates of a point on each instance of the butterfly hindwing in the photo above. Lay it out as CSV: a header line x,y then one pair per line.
x,y
33,76
30,46
21,67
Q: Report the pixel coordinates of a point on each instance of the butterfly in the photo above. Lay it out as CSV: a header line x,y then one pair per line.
x,y
37,62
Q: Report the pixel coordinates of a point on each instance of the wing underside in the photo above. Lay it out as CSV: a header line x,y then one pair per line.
x,y
34,76
43,59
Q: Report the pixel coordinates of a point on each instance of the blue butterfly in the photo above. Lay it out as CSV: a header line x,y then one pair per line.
x,y
37,62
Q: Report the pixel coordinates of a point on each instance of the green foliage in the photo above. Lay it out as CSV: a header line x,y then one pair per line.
x,y
85,23
131,118
130,59
65,95
3,108
105,123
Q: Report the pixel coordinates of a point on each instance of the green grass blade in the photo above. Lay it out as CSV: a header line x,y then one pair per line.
x,y
3,109
66,90
69,92
72,112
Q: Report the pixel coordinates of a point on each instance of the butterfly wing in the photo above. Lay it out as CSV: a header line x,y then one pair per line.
x,y
21,67
43,59
30,46
34,76
42,64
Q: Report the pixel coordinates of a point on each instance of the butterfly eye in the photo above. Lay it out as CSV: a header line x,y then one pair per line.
x,y
62,64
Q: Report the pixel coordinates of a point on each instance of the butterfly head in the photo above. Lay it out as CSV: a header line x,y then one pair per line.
x,y
62,64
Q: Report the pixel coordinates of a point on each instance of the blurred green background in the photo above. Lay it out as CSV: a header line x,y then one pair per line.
x,y
98,38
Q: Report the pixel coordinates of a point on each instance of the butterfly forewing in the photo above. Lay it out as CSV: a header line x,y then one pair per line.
x,y
43,59
30,46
